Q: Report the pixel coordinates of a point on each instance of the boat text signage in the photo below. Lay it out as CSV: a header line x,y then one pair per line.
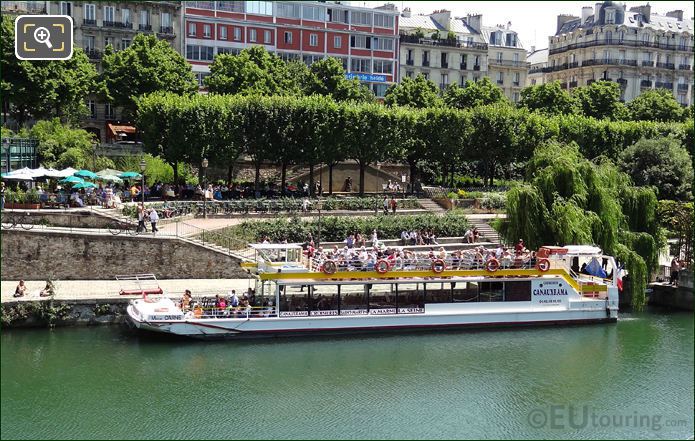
x,y
166,317
549,292
366,77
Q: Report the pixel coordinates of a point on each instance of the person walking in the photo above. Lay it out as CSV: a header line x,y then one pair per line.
x,y
141,218
394,204
386,205
154,218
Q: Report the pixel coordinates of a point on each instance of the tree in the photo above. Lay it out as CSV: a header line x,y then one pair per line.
x,y
148,65
328,78
655,105
567,199
254,71
550,99
601,100
62,146
418,92
474,94
43,89
662,163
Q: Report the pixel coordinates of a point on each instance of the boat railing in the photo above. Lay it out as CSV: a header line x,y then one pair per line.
x,y
424,264
231,312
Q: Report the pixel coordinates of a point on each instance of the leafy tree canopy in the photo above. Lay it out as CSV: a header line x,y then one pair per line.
x,y
62,146
601,100
474,94
419,93
328,78
655,105
550,99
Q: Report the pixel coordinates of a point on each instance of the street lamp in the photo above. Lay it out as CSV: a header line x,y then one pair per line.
x,y
204,164
143,165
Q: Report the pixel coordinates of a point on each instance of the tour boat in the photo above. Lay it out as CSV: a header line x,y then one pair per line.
x,y
297,295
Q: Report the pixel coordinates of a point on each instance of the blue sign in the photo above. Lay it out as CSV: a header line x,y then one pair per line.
x,y
366,77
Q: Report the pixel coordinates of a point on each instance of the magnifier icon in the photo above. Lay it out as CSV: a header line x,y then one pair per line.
x,y
42,36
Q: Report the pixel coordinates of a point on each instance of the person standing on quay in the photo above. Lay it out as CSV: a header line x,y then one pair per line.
x,y
141,218
154,217
386,205
394,204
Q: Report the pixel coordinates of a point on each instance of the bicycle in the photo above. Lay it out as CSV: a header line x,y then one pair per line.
x,y
11,220
129,228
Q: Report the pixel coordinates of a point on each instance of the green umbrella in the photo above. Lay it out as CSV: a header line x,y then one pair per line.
x,y
72,180
86,174
109,172
130,175
80,185
109,178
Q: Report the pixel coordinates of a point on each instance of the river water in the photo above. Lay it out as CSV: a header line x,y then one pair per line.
x,y
632,379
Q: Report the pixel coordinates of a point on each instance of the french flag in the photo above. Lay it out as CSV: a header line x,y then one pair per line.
x,y
619,277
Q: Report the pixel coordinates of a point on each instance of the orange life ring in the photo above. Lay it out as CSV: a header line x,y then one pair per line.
x,y
492,265
329,267
438,265
543,265
382,266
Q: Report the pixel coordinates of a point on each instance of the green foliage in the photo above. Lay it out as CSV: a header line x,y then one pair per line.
x,y
103,309
655,105
327,77
148,65
601,100
155,170
662,163
677,219
474,94
61,145
549,99
47,312
570,200
417,93
335,229
43,89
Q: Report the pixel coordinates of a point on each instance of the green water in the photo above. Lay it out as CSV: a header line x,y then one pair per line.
x,y
107,383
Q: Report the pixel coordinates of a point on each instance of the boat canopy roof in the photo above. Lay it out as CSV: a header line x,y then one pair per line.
x,y
275,246
583,250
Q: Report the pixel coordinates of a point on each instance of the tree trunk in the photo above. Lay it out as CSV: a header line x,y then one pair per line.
x,y
413,174
311,179
230,172
452,170
362,168
284,178
257,181
174,165
330,179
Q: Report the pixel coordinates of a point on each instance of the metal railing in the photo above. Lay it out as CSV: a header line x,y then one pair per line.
x,y
631,43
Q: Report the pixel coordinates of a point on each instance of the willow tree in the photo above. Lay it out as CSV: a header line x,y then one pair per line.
x,y
568,199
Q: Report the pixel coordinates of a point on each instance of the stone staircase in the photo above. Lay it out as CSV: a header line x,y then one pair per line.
x,y
486,231
431,206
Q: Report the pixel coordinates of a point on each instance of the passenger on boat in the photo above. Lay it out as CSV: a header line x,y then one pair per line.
x,y
220,305
185,303
197,310
233,299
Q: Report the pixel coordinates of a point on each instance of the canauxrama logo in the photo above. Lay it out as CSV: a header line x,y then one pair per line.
x,y
43,37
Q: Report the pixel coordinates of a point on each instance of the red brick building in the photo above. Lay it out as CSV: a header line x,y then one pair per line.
x,y
364,39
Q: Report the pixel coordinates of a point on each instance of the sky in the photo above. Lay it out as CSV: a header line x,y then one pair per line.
x,y
534,21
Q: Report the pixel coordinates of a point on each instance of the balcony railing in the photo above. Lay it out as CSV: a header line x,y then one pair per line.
x,y
648,63
413,39
410,62
445,65
508,63
443,85
476,67
682,87
500,82
683,67
646,83
666,65
515,83
166,30
573,84
463,66
660,85
630,43
89,22
610,61
622,82
425,62
145,27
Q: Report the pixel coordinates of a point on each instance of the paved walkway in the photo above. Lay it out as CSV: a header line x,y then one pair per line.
x,y
108,289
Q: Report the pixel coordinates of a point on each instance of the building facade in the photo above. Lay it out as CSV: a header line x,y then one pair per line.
x,y
507,65
99,24
637,48
427,49
453,50
538,61
363,38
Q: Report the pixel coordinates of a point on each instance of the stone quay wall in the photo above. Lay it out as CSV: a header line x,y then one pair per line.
x,y
45,254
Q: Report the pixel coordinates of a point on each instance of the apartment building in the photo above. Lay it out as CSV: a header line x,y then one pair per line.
x,y
636,47
364,39
538,61
507,65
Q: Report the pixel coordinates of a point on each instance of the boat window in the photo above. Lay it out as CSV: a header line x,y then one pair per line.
x,y
411,296
353,300
324,300
438,292
382,297
294,300
465,292
491,291
517,291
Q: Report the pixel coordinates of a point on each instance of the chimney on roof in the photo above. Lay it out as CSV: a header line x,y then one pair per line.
x,y
443,17
475,21
586,13
406,12
533,49
645,11
562,19
509,25
678,14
